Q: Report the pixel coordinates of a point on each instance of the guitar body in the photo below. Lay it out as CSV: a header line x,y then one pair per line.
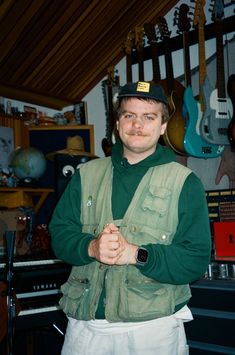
x,y
231,126
194,144
174,134
175,130
217,117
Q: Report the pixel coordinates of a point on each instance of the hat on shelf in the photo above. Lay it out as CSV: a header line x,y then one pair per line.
x,y
143,89
74,146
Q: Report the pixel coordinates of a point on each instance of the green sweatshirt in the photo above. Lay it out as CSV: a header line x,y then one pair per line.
x,y
182,262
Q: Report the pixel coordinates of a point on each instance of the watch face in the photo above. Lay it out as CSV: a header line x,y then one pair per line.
x,y
142,255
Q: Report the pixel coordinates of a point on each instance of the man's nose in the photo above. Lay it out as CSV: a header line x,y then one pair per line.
x,y
138,121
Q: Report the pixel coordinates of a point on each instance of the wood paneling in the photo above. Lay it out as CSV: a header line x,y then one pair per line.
x,y
53,52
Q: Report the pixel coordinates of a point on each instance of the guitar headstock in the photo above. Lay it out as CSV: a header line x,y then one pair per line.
x,y
163,28
150,32
139,37
217,10
182,18
129,42
199,14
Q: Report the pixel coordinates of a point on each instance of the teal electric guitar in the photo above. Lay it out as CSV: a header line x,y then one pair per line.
x,y
193,109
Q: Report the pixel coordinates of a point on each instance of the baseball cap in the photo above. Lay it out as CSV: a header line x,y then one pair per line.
x,y
143,89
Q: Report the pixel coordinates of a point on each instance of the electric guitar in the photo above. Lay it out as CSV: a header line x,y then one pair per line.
x,y
183,21
174,133
231,126
150,32
110,87
194,143
219,111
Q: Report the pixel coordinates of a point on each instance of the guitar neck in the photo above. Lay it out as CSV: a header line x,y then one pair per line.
x,y
128,68
202,63
220,60
155,62
169,67
187,67
141,63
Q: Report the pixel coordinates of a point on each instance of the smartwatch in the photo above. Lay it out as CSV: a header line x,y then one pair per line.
x,y
141,256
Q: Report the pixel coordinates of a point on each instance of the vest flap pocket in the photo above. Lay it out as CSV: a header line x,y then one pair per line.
x,y
157,199
75,291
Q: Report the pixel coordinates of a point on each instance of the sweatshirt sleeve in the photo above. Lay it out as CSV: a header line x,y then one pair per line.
x,y
69,243
187,258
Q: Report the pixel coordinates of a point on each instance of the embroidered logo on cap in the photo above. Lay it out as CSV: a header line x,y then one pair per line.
x,y
143,86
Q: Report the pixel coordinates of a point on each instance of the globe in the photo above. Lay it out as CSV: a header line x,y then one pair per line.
x,y
27,163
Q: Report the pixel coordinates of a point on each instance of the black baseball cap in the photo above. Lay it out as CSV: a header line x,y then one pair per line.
x,y
144,89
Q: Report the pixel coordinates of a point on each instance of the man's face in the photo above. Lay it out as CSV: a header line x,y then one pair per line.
x,y
140,126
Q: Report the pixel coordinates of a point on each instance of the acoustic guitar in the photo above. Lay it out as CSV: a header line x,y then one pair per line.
x,y
139,45
219,110
174,134
194,143
128,46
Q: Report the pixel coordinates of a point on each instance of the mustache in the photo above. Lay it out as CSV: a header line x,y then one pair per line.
x,y
136,133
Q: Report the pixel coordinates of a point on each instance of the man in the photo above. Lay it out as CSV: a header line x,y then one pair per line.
x,y
135,228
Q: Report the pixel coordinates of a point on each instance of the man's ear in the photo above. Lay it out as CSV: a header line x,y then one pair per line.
x,y
163,128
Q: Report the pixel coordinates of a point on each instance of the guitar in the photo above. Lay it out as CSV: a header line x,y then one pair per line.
x,y
174,133
110,86
231,126
150,32
218,113
183,22
194,143
139,45
128,45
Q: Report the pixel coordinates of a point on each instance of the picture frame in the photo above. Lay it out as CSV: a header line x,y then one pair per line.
x,y
30,112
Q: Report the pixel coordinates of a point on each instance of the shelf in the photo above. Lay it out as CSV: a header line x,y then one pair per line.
x,y
58,127
25,194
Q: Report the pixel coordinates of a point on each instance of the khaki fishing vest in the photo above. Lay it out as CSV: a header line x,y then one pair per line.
x,y
152,217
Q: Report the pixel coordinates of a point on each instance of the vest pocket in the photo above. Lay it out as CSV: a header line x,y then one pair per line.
x,y
146,299
157,200
73,294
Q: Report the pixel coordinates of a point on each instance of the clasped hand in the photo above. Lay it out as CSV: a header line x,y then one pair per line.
x,y
111,248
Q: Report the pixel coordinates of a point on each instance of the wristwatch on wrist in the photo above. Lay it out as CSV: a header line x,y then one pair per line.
x,y
141,256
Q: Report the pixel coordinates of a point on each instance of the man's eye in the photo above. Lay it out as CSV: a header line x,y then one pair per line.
x,y
149,117
129,116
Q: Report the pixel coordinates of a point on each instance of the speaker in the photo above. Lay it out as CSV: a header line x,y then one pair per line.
x,y
65,168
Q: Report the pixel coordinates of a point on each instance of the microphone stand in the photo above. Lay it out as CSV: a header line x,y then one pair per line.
x,y
11,307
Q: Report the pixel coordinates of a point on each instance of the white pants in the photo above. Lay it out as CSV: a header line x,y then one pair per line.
x,y
163,336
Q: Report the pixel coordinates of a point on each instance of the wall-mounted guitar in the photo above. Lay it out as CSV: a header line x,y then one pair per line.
x,y
231,126
219,111
194,143
150,32
139,45
174,134
128,45
110,87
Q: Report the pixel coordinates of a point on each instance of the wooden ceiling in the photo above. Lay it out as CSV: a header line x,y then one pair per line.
x,y
53,52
